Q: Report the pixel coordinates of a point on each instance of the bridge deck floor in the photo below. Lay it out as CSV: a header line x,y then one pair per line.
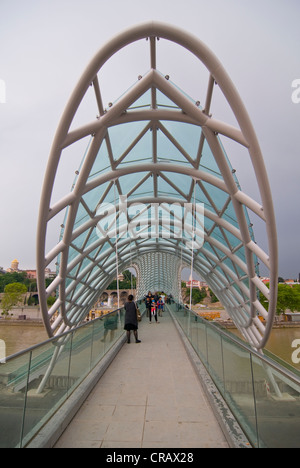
x,y
149,397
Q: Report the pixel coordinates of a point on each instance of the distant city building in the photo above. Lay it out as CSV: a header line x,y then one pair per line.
x,y
49,273
31,274
291,282
196,284
14,267
265,280
193,284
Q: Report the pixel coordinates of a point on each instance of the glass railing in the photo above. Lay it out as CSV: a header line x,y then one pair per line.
x,y
263,394
37,381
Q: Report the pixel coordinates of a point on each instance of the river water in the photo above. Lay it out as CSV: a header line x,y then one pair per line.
x,y
19,337
280,343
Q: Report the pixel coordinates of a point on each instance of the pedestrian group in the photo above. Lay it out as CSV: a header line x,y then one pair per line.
x,y
155,304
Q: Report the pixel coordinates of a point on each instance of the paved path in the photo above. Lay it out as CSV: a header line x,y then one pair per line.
x,y
148,397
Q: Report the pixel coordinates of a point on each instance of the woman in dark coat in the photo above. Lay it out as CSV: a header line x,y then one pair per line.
x,y
131,322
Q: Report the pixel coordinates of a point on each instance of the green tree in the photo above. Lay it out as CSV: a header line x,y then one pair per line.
x,y
125,284
50,301
13,294
213,297
288,298
197,295
9,278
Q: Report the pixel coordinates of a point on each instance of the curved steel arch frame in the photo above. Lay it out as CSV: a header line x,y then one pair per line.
x,y
161,114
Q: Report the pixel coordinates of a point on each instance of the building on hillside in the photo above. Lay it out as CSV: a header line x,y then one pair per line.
x,y
265,280
31,274
291,282
14,267
196,284
49,273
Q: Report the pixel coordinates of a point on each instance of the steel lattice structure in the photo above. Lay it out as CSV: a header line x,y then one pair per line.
x,y
156,149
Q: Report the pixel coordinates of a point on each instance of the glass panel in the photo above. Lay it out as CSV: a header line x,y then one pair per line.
x,y
187,135
93,197
81,216
146,188
72,254
264,399
239,387
202,340
80,355
79,241
13,383
132,180
167,151
141,152
163,101
278,407
143,101
110,330
48,384
98,346
217,195
102,162
215,360
35,384
229,216
122,136
207,162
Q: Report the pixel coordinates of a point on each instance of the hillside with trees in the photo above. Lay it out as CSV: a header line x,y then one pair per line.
x,y
198,296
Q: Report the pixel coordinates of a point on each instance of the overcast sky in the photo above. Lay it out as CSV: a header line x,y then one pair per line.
x,y
46,44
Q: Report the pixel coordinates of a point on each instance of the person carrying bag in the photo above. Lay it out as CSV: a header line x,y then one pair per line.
x,y
131,319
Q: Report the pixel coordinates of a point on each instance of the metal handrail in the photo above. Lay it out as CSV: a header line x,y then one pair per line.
x,y
262,357
56,338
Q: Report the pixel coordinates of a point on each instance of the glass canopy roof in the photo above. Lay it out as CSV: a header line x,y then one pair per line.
x,y
156,191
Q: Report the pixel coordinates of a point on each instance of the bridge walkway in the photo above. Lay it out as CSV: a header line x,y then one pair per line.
x,y
149,397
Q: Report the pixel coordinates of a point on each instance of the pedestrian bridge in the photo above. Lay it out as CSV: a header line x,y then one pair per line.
x,y
188,384
142,401
154,190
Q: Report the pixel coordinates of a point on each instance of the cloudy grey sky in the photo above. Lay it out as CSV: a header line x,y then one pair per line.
x,y
46,44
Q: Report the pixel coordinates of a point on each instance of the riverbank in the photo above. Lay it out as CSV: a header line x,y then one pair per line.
x,y
20,335
23,323
32,313
230,325
219,315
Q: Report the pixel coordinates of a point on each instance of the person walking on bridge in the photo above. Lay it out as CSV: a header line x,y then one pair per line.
x,y
148,301
153,311
131,322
